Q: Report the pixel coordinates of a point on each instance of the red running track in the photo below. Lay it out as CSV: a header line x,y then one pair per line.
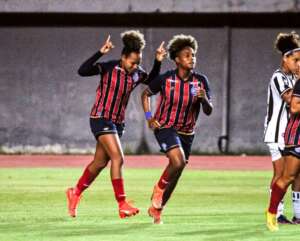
x,y
143,161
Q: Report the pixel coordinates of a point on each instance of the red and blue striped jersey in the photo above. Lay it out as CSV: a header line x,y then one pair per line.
x,y
292,131
115,87
178,106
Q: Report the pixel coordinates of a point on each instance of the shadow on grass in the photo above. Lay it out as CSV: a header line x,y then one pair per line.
x,y
88,230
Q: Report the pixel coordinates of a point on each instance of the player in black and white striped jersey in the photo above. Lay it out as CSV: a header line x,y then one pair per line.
x,y
279,97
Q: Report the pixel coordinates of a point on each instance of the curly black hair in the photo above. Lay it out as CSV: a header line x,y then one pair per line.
x,y
287,41
133,41
179,42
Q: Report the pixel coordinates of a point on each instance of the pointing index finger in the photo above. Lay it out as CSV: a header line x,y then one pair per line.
x,y
161,45
108,38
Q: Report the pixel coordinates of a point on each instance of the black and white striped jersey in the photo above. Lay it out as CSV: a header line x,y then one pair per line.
x,y
277,111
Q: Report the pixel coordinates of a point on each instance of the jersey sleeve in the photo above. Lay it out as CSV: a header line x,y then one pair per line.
x,y
281,83
205,84
104,67
153,73
156,84
296,91
90,67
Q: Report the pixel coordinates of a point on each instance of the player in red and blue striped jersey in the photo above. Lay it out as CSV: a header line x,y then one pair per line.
x,y
182,93
118,78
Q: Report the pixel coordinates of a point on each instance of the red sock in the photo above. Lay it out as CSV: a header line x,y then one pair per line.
x,y
276,196
85,181
164,180
119,190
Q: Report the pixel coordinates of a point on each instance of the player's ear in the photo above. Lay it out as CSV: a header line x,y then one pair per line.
x,y
123,57
176,60
285,58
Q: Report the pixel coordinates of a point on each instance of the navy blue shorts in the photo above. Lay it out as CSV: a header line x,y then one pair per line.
x,y
293,151
168,138
100,126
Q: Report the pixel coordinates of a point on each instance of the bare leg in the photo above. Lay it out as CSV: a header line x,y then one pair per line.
x,y
100,160
112,146
291,171
278,167
175,167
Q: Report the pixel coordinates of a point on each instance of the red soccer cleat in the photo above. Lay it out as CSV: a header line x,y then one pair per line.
x,y
73,201
157,197
155,214
127,210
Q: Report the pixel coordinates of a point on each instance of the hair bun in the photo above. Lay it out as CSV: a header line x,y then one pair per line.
x,y
287,41
133,40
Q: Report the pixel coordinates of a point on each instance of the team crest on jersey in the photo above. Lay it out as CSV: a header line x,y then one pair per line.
x,y
135,77
285,81
194,90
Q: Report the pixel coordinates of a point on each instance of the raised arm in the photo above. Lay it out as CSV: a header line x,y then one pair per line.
x,y
89,67
159,56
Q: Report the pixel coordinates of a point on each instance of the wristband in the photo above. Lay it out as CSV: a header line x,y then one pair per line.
x,y
148,115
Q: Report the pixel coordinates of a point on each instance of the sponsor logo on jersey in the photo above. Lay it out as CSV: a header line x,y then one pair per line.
x,y
172,80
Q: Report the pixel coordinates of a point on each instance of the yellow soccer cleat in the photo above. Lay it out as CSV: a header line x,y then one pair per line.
x,y
272,223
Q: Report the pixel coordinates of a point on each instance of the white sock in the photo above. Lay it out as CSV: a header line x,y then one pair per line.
x,y
296,203
280,208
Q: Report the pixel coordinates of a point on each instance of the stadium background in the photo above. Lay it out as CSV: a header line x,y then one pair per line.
x,y
44,104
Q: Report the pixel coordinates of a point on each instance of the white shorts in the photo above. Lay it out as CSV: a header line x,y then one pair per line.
x,y
275,150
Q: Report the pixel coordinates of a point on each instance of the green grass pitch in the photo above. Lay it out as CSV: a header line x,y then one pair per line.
x,y
207,205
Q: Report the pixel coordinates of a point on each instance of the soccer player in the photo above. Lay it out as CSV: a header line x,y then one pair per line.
x,y
182,93
118,78
279,97
289,45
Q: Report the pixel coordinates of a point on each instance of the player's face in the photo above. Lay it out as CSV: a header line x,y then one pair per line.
x,y
292,62
186,58
131,62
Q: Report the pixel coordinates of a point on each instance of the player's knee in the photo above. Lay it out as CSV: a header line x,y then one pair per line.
x,y
276,177
278,172
102,164
118,160
179,164
99,163
288,179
